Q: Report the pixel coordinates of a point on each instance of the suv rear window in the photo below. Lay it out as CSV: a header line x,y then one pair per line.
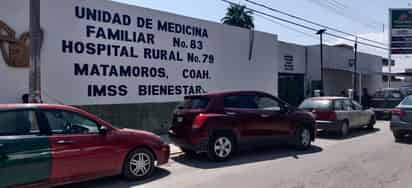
x,y
318,104
194,103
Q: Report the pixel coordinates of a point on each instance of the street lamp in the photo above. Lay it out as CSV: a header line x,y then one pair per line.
x,y
320,33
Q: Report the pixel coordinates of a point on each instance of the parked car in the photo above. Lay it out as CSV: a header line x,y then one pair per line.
x,y
43,145
220,123
384,100
338,114
401,122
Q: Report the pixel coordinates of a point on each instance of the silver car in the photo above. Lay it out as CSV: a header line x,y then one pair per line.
x,y
338,114
401,122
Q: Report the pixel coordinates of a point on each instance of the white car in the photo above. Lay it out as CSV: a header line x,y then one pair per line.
x,y
338,114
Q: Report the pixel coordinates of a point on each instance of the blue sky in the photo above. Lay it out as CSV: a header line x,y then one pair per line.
x,y
361,17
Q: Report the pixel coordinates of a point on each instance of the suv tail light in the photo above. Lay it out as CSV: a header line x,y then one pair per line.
x,y
398,112
199,120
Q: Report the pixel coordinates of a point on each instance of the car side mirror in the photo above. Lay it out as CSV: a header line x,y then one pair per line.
x,y
103,130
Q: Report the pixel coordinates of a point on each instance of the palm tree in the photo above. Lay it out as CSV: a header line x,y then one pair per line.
x,y
238,15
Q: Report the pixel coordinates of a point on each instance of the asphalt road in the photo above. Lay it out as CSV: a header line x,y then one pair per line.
x,y
366,159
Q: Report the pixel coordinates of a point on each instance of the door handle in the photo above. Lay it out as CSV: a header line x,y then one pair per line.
x,y
230,113
65,142
264,115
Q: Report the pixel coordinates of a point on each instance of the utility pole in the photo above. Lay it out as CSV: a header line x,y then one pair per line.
x,y
320,33
355,69
390,50
35,45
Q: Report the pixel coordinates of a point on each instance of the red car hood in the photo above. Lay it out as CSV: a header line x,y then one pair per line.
x,y
141,133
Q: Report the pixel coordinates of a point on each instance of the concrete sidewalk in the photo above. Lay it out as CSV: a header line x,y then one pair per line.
x,y
173,148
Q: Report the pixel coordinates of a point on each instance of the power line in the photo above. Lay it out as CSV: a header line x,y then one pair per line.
x,y
311,22
288,27
331,5
306,27
340,4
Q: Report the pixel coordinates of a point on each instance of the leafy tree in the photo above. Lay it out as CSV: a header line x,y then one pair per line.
x,y
238,15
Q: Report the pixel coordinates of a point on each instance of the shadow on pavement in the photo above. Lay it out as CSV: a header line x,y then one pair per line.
x,y
118,181
245,156
353,133
406,140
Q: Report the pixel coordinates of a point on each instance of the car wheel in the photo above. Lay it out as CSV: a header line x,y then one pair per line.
x,y
303,138
344,129
372,122
221,147
139,164
398,136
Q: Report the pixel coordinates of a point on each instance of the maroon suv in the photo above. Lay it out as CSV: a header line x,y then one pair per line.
x,y
220,123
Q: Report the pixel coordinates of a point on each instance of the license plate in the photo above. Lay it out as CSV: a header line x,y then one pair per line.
x,y
180,119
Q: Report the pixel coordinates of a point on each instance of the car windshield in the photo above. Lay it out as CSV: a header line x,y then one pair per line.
x,y
407,101
194,103
320,104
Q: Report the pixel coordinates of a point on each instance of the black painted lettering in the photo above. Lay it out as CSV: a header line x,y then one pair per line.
x,y
124,52
98,91
67,46
111,90
163,55
142,90
81,70
104,69
185,73
79,12
170,90
123,90
153,72
147,53
145,23
79,47
150,38
155,90
90,30
161,72
136,71
90,49
145,71
100,48
199,90
161,26
113,71
125,71
178,90
95,70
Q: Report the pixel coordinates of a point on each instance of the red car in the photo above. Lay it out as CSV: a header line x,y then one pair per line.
x,y
44,145
220,123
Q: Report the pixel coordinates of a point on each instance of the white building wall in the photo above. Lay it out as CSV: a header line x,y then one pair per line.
x,y
298,54
233,68
336,81
338,72
372,83
14,81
